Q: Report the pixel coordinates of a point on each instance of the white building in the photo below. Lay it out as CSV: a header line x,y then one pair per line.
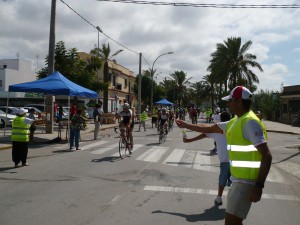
x,y
14,71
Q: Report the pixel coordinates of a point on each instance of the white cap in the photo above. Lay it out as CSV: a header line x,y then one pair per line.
x,y
21,111
239,92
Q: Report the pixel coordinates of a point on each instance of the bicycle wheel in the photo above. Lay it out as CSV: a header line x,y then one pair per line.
x,y
161,136
122,147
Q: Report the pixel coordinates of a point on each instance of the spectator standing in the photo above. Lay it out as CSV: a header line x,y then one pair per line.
x,y
154,116
73,110
249,154
32,127
143,118
77,124
55,108
60,113
20,138
97,114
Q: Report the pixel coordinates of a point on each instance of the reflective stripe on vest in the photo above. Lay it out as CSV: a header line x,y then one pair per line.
x,y
20,130
244,158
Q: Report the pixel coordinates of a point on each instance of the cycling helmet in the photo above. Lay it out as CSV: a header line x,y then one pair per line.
x,y
126,106
163,109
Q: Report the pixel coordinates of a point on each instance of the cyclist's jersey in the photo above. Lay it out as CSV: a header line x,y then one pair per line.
x,y
126,116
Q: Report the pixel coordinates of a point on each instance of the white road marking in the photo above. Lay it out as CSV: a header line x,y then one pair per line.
x,y
275,176
115,199
202,161
174,158
154,154
214,192
98,143
135,148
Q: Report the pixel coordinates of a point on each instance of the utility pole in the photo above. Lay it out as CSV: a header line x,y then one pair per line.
x,y
51,60
140,86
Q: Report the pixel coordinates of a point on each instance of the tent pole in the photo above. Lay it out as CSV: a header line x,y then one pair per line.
x,y
68,126
6,113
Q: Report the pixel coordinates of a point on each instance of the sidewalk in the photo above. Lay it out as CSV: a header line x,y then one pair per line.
x,y
41,137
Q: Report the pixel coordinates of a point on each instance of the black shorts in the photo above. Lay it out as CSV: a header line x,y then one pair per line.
x,y
154,119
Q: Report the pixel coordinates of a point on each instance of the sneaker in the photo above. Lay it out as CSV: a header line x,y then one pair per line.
x,y
78,149
213,151
218,200
16,165
25,164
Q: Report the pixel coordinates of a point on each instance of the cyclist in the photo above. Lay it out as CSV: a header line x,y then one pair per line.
x,y
127,122
164,119
194,115
171,117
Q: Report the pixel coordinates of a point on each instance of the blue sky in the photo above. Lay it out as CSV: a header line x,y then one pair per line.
x,y
191,33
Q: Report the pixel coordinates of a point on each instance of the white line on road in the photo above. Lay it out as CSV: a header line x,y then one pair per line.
x,y
154,154
174,158
98,143
214,192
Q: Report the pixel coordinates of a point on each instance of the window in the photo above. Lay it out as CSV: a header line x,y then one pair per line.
x,y
114,80
129,87
0,83
125,83
119,87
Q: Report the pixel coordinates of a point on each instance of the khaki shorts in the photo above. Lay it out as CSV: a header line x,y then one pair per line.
x,y
238,203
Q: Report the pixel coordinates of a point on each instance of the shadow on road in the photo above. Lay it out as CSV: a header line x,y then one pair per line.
x,y
211,214
107,159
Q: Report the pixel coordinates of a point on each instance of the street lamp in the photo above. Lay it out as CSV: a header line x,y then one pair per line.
x,y
152,74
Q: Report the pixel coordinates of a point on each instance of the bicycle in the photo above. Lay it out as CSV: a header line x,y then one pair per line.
x,y
171,122
162,134
194,120
124,144
295,122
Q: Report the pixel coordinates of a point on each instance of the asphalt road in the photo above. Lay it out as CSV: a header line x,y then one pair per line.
x,y
169,183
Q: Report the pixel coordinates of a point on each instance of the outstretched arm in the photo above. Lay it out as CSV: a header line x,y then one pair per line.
x,y
199,137
201,128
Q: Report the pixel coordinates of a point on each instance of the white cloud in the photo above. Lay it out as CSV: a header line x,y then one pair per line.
x,y
191,33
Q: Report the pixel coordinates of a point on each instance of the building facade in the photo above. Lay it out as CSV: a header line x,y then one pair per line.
x,y
121,83
290,103
14,71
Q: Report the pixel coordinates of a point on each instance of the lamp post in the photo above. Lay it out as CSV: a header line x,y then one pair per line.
x,y
152,75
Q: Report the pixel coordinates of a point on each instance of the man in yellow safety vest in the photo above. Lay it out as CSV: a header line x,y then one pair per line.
x,y
249,155
20,137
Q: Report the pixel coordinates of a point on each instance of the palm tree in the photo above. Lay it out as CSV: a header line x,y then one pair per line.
x,y
104,53
182,84
230,63
199,92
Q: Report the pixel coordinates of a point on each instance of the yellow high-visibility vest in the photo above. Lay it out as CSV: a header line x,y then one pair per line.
x,y
244,158
20,130
155,113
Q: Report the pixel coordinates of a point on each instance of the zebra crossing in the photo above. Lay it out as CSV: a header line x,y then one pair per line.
x,y
193,159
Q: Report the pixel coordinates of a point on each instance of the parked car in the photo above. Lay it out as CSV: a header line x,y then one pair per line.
x,y
40,107
10,109
6,120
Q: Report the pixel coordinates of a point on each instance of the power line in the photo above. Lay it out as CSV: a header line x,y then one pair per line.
x,y
201,5
98,28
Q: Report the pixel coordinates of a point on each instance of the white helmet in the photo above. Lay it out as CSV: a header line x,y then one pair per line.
x,y
126,106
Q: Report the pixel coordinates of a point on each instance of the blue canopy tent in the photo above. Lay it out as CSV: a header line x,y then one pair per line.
x,y
163,102
54,84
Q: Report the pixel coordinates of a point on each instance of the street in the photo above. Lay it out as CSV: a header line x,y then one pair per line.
x,y
169,183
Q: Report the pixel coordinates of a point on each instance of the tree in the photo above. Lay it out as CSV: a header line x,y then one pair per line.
x,y
105,54
200,91
182,84
68,63
230,63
